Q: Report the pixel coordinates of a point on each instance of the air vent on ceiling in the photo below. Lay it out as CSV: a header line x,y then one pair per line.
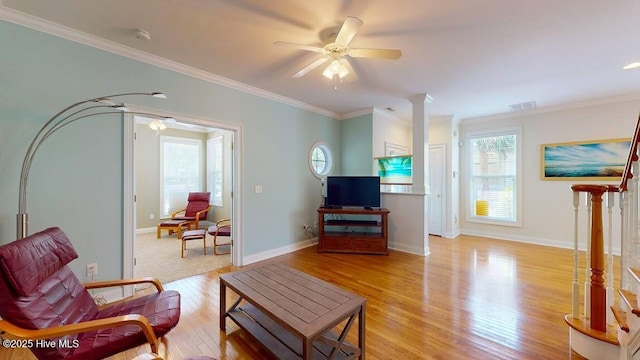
x,y
143,35
525,106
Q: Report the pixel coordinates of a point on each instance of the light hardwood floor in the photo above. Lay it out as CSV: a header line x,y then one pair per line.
x,y
471,298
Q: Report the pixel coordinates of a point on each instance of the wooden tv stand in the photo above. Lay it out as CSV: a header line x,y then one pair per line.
x,y
353,230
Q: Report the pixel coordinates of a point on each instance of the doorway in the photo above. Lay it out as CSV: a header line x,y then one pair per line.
x,y
436,204
145,218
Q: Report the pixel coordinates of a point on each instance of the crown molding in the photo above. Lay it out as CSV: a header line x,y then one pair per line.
x,y
65,32
546,109
355,113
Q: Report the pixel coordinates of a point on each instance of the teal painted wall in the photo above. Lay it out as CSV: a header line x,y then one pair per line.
x,y
76,181
357,146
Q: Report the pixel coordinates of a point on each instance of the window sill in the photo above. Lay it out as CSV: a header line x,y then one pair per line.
x,y
493,221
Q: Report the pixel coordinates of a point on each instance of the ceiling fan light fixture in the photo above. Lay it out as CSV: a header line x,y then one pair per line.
x,y
336,47
335,68
344,71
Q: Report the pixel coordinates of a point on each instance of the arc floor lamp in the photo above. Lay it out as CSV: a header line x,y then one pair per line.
x,y
80,110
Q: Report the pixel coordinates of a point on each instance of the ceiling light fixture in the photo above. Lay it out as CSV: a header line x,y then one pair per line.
x,y
159,124
335,50
336,70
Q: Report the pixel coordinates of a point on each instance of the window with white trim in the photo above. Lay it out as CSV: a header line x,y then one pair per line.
x,y
494,162
214,169
180,172
320,160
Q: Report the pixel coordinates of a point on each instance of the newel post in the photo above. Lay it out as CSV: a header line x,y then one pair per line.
x,y
598,292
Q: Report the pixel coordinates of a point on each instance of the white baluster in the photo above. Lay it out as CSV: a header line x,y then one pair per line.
x,y
576,285
624,238
609,275
633,220
587,268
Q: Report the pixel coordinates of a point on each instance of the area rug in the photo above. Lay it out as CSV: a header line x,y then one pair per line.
x,y
160,258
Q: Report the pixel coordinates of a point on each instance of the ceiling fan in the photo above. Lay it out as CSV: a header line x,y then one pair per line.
x,y
335,50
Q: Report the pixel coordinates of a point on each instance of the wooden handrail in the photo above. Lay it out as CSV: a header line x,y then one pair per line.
x,y
112,283
633,156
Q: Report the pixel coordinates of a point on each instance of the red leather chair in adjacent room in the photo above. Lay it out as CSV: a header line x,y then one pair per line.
x,y
196,210
41,298
221,228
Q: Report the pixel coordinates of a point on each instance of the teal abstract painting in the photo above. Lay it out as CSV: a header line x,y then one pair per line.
x,y
395,170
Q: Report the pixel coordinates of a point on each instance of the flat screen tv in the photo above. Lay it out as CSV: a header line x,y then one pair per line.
x,y
353,191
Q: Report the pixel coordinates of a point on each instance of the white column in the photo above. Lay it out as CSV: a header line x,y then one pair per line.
x,y
420,143
421,160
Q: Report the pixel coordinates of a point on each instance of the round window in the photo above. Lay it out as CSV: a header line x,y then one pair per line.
x,y
320,160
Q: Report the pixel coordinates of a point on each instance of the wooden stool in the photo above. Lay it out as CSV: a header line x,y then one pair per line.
x,y
173,225
193,235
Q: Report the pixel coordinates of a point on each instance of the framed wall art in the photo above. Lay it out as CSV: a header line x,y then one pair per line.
x,y
395,170
585,160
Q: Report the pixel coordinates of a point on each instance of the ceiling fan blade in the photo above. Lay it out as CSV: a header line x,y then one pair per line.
x,y
348,30
376,53
310,67
298,46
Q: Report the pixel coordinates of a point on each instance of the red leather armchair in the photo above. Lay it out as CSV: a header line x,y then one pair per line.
x,y
221,228
41,298
196,210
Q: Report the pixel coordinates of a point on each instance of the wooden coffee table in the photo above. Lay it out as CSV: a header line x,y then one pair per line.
x,y
292,313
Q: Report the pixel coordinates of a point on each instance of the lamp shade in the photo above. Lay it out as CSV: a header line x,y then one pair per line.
x,y
157,125
336,67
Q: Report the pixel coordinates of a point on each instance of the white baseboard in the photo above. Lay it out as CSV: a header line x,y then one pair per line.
x,y
146,230
265,255
532,240
451,235
410,249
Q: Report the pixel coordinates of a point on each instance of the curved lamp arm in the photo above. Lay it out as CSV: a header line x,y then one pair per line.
x,y
52,125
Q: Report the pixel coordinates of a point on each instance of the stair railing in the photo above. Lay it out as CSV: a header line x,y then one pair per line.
x,y
600,278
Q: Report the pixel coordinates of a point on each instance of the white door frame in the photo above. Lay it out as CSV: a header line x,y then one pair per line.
x,y
128,213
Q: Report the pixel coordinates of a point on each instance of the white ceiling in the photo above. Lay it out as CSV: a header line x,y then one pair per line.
x,y
475,58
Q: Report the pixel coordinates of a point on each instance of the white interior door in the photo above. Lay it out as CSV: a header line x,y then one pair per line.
x,y
437,161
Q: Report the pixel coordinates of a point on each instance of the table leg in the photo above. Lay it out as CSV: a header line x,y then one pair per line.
x,y
223,306
307,349
361,331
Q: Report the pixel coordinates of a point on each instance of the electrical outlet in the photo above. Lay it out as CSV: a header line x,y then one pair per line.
x,y
152,216
92,269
